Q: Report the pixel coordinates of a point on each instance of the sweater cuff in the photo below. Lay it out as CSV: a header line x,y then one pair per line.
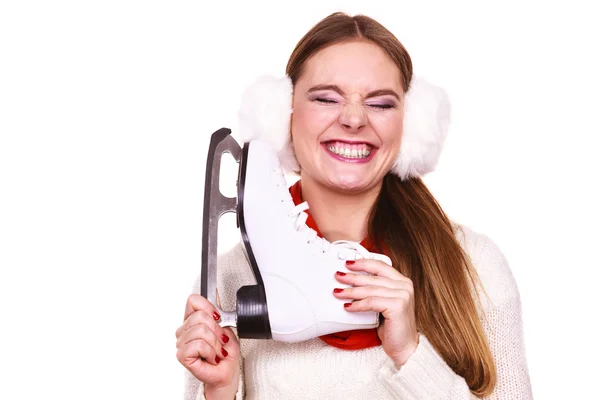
x,y
425,375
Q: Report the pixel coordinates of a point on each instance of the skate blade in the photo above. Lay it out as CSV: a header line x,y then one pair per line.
x,y
215,205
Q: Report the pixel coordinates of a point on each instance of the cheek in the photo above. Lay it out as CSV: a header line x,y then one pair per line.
x,y
311,120
388,128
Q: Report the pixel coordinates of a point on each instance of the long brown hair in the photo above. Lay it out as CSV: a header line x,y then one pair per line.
x,y
420,238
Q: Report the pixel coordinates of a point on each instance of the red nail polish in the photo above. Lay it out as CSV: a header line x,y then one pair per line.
x,y
350,262
217,359
346,305
340,273
336,290
224,352
225,338
216,316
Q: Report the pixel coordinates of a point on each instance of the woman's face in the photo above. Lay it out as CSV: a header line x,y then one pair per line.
x,y
347,116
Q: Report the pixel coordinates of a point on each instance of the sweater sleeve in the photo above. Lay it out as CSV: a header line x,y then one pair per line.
x,y
427,376
228,281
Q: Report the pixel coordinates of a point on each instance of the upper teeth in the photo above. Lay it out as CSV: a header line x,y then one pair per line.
x,y
349,153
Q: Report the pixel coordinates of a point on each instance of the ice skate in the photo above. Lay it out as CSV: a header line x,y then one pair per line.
x,y
292,300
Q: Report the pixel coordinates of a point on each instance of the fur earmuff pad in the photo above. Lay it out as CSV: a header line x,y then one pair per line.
x,y
266,109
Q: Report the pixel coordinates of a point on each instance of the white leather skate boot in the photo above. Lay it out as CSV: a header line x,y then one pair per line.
x,y
294,268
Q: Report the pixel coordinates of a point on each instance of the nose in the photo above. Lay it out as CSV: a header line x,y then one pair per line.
x,y
353,117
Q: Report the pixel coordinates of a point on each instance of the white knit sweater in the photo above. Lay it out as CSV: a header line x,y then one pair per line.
x,y
315,370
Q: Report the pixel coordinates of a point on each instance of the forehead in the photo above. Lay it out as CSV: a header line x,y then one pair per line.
x,y
359,64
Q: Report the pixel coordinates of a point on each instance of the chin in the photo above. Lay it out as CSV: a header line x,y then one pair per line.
x,y
350,183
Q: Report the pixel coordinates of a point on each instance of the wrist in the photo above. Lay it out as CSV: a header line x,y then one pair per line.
x,y
403,357
218,392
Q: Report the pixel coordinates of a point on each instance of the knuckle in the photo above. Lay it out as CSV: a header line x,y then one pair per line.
x,y
192,298
198,331
199,302
207,350
204,330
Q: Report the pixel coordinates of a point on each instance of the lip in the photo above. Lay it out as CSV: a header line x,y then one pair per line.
x,y
350,160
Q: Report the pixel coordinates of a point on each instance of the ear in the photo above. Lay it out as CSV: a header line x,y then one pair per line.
x,y
425,127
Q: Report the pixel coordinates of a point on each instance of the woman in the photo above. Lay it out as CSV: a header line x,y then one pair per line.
x,y
451,311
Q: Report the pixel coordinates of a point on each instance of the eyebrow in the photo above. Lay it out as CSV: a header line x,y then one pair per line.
x,y
336,88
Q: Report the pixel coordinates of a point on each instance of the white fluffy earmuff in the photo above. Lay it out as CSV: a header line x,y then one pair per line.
x,y
266,109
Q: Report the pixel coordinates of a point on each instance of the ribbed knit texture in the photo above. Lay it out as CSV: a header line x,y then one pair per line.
x,y
315,370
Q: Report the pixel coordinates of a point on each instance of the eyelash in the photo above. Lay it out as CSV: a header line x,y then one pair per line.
x,y
378,106
326,101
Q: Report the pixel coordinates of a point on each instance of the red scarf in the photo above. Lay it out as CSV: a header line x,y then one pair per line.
x,y
349,340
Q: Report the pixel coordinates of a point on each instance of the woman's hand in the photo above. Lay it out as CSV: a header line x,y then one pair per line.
x,y
209,352
388,292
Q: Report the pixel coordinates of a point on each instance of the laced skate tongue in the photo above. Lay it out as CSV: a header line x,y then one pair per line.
x,y
363,252
350,245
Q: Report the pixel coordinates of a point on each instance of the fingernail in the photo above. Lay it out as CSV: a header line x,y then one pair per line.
x,y
216,316
350,262
224,352
217,359
336,290
225,338
346,305
340,273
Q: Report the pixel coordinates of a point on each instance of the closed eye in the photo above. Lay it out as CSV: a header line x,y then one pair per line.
x,y
325,101
382,106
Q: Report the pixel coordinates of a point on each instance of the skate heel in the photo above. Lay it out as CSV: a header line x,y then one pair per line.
x,y
252,315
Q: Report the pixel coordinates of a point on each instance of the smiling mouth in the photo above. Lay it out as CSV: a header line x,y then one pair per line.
x,y
350,151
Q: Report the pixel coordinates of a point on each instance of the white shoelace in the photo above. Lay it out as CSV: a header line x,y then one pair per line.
x,y
300,224
301,217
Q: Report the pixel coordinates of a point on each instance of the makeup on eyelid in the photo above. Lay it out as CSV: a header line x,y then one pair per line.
x,y
329,100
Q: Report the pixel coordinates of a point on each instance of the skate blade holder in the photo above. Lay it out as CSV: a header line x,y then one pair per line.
x,y
251,317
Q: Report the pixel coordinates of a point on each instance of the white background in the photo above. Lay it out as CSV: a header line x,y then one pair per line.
x,y
106,109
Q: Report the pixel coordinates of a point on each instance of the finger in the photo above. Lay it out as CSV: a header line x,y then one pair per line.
x,y
197,351
201,332
195,302
375,267
201,317
374,280
232,344
383,305
362,292
204,332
